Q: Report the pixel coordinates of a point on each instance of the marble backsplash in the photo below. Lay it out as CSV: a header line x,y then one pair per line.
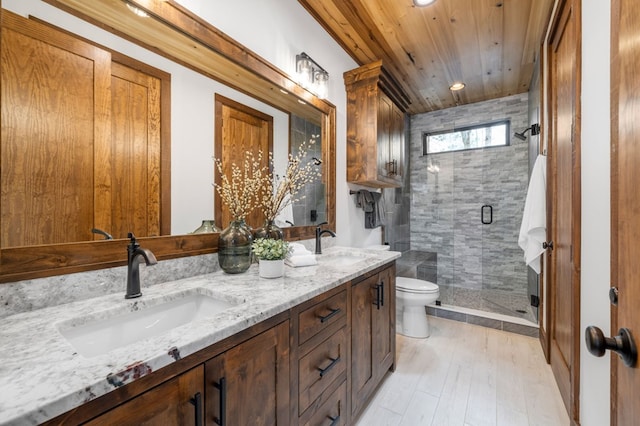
x,y
30,295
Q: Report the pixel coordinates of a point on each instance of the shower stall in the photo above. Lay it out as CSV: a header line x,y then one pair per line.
x,y
465,215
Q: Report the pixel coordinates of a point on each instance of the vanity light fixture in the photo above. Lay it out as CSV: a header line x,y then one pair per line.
x,y
311,75
457,86
421,3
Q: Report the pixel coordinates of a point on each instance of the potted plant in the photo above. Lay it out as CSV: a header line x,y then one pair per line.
x,y
270,254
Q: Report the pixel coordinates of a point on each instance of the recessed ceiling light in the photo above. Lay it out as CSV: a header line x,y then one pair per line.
x,y
456,86
137,11
421,3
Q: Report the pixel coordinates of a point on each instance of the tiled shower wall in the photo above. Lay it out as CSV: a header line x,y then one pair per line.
x,y
314,193
478,266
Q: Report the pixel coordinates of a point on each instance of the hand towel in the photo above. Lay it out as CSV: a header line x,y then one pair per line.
x,y
297,249
375,217
533,230
301,260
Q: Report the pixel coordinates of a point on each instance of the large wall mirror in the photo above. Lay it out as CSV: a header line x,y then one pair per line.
x,y
165,50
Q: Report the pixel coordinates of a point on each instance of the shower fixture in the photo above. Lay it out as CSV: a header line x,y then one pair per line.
x,y
535,130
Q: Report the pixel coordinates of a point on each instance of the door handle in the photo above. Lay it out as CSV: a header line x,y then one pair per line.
x,y
622,344
547,245
482,218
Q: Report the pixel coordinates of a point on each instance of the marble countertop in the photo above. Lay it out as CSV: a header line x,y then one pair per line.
x,y
42,375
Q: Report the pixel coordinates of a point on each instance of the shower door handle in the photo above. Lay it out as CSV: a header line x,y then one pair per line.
x,y
482,214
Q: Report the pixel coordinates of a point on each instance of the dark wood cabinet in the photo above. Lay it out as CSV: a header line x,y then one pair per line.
x,y
372,334
249,384
179,401
321,359
375,130
317,363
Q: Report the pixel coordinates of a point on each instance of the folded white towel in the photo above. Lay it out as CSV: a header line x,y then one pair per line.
x,y
533,231
302,260
297,249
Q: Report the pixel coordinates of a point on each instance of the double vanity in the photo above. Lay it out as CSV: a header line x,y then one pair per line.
x,y
308,348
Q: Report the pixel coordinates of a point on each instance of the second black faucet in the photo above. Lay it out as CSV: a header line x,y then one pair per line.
x,y
319,232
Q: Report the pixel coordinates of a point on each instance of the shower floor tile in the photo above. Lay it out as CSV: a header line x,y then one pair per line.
x,y
466,374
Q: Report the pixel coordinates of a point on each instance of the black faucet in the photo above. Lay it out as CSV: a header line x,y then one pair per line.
x,y
319,232
133,266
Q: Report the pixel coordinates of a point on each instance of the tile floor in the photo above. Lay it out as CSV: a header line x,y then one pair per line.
x,y
467,375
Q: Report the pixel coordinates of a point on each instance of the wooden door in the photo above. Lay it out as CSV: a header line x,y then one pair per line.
x,y
55,110
564,184
179,401
625,202
132,201
249,384
239,129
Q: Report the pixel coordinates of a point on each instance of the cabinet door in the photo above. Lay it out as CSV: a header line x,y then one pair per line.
x,y
396,144
383,323
176,402
249,384
362,311
373,334
385,108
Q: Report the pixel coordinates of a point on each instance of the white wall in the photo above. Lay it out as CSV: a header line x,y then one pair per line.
x,y
595,308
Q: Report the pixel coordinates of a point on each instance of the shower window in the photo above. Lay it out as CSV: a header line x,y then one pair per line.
x,y
473,137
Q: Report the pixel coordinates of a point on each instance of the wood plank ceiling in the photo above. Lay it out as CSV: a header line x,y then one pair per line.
x,y
490,45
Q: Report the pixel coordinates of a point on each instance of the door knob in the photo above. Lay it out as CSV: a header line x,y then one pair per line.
x,y
622,344
547,245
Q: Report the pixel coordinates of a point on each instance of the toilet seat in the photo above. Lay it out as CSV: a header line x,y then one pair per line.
x,y
412,285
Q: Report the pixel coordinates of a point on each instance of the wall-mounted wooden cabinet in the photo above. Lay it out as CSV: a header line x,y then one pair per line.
x,y
375,128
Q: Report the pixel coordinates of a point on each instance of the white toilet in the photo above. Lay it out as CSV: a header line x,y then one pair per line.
x,y
412,295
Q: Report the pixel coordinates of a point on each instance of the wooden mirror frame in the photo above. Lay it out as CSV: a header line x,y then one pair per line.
x,y
177,34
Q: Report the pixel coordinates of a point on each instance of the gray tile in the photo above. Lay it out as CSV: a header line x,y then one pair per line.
x,y
484,322
521,329
452,315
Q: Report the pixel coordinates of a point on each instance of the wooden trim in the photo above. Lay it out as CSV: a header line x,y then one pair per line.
x,y
567,9
616,7
214,48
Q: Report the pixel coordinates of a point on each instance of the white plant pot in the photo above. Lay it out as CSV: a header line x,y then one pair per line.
x,y
271,268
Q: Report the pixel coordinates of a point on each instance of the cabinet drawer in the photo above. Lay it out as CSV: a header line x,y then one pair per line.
x,y
320,367
333,411
321,315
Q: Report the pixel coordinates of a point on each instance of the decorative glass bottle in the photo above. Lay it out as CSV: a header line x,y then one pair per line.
x,y
234,247
269,230
207,227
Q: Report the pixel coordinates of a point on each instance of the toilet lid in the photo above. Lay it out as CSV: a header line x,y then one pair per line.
x,y
412,285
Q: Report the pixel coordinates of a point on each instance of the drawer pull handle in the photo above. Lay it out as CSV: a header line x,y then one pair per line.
x,y
327,317
324,371
222,387
379,295
197,403
334,420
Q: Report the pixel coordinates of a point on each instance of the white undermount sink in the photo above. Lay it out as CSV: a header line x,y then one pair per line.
x,y
341,259
114,330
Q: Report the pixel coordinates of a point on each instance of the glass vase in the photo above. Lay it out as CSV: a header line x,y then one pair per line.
x,y
269,230
234,247
207,227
